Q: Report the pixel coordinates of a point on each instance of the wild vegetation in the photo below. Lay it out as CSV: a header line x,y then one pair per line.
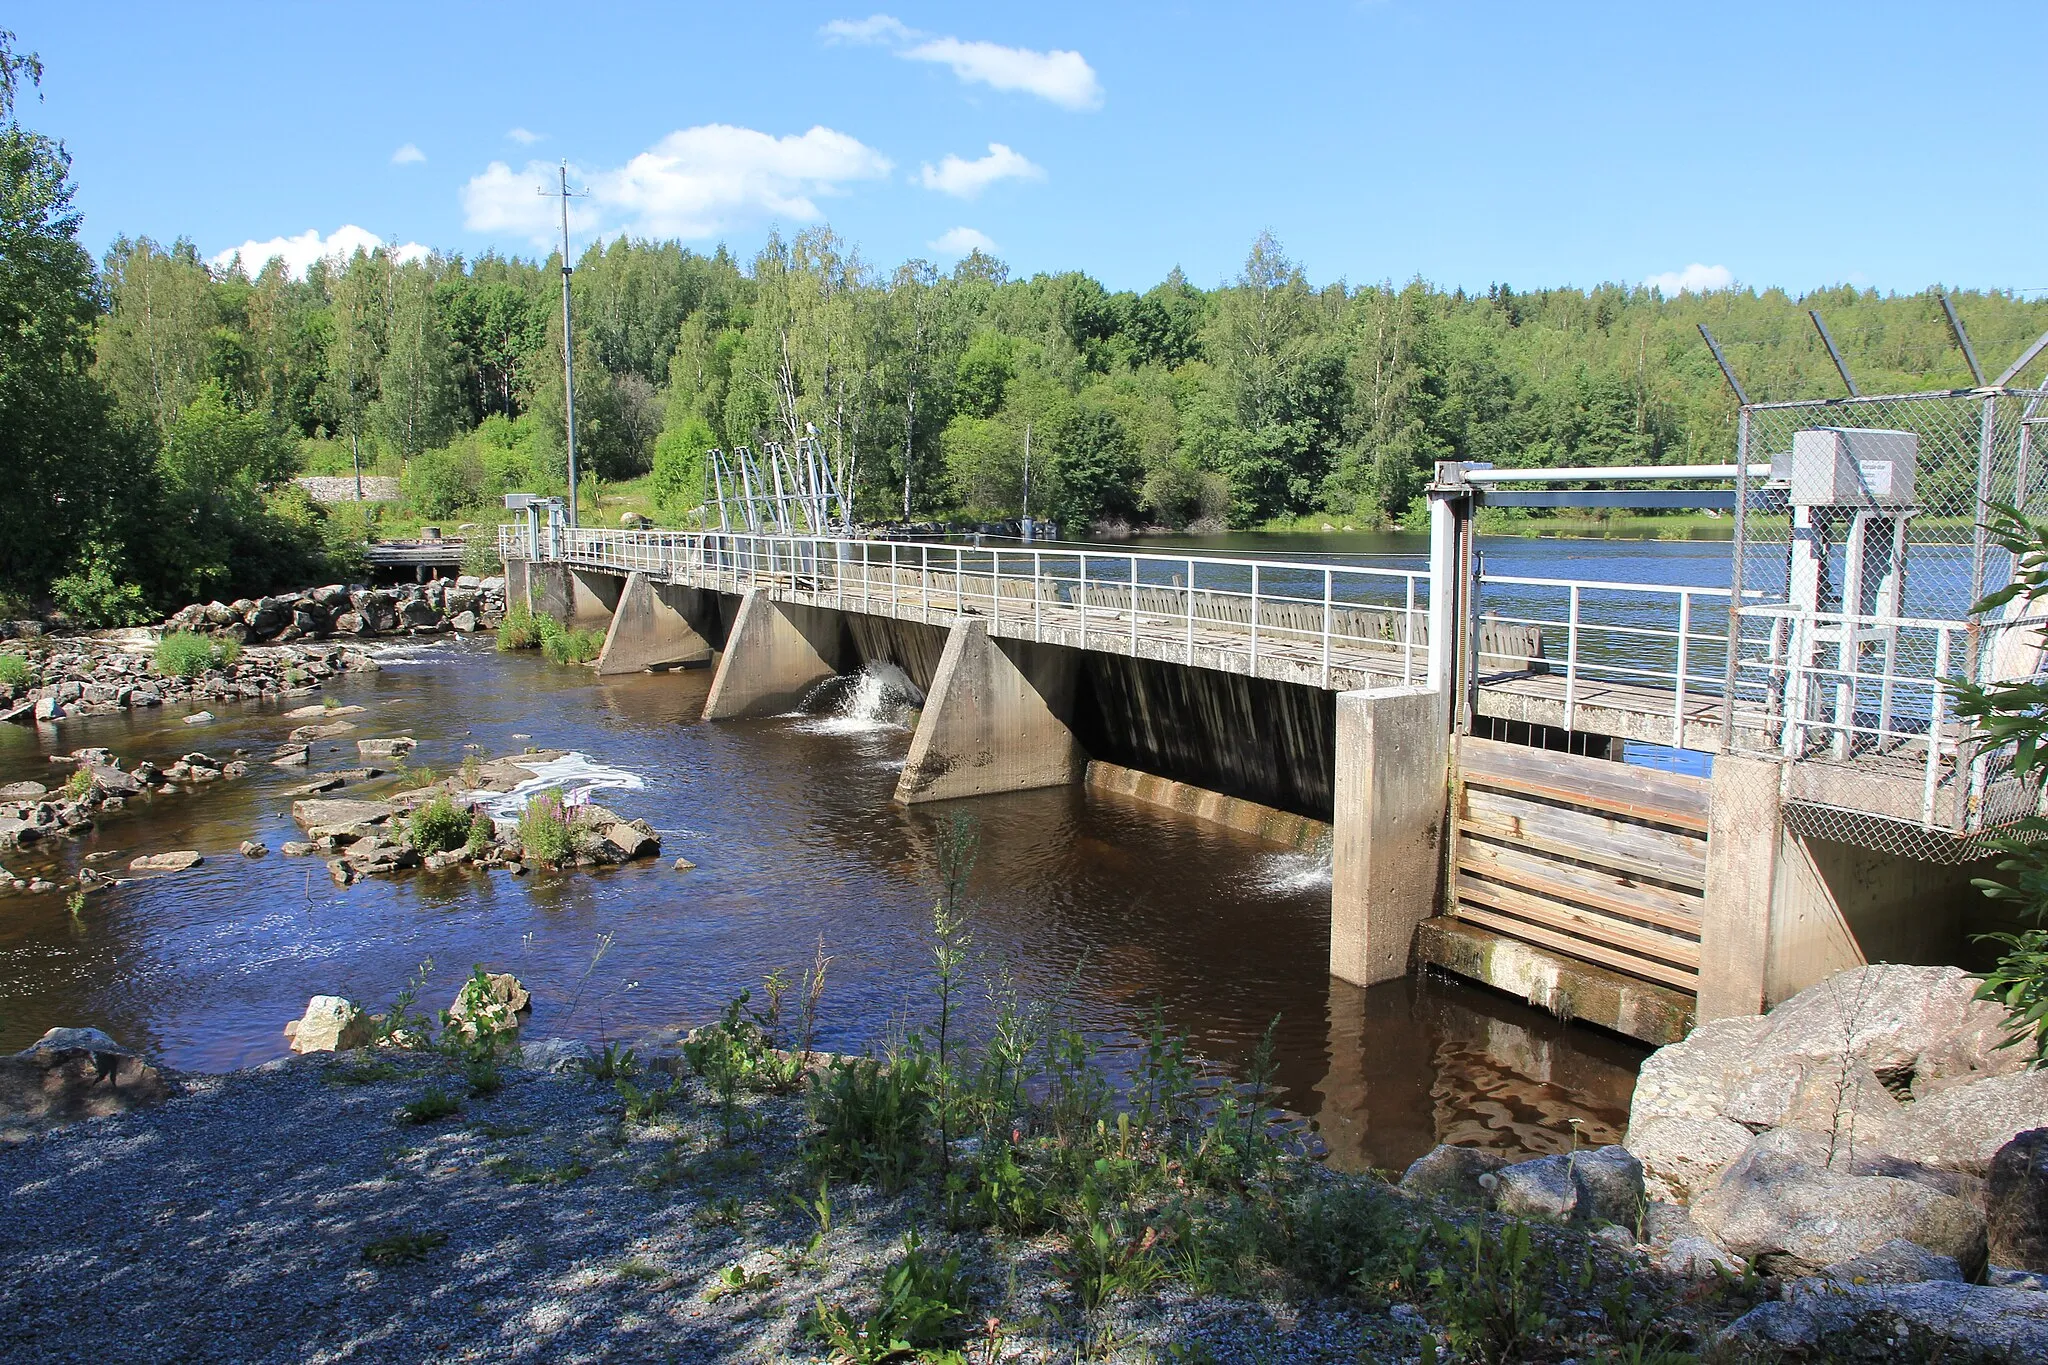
x,y
159,402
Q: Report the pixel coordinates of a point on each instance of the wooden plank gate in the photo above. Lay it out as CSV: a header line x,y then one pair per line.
x,y
1601,861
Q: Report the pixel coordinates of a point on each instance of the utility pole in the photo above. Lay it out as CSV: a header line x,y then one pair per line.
x,y
568,345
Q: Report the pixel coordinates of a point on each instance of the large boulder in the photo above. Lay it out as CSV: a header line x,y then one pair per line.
x,y
1951,1320
330,1024
1452,1173
166,862
1783,1203
1600,1186
1838,1057
70,1074
386,748
489,1003
340,814
2016,1203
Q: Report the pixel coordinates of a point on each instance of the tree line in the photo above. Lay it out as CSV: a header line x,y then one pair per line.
x,y
155,406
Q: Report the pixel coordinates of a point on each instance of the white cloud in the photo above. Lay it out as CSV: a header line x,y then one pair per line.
x,y
309,246
966,179
876,28
694,183
525,137
407,155
962,241
1065,78
1694,279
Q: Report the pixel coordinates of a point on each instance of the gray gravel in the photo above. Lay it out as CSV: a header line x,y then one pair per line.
x,y
229,1224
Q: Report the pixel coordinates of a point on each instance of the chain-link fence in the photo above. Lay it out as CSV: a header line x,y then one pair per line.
x,y
1858,559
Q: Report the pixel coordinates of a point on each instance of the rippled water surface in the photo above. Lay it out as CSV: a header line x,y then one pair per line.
x,y
1115,906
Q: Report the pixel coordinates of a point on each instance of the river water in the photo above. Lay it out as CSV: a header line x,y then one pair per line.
x,y
1109,907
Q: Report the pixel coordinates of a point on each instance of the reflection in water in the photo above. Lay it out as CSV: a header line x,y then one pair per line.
x,y
1109,905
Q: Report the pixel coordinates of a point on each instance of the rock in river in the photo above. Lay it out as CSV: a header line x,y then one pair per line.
x,y
330,1024
166,862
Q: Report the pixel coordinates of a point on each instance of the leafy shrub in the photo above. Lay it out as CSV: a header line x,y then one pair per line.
x,y
544,830
872,1118
438,826
79,785
562,645
518,630
480,553
439,482
483,833
95,591
14,670
184,654
924,1305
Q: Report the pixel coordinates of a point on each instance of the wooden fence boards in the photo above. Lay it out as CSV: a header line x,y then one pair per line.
x,y
1601,860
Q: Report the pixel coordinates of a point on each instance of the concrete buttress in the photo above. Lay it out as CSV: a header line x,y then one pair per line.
x,y
774,655
1393,766
997,720
651,626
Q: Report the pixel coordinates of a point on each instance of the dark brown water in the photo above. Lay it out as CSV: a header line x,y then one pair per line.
x,y
1112,906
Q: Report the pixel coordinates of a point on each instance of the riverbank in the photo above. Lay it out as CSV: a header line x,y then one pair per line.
x,y
564,1216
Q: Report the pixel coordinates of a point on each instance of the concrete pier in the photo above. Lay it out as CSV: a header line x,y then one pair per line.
x,y
1393,757
775,653
548,592
651,626
1745,827
998,719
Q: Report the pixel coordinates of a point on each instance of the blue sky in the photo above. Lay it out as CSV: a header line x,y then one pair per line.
x,y
1788,144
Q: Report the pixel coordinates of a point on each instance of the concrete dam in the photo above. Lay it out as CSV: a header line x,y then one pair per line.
x,y
1453,737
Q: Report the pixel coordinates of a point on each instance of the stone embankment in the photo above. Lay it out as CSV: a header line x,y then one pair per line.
x,y
1868,1140
70,677
463,604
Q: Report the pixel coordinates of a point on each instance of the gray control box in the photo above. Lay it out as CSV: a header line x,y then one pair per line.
x,y
1851,467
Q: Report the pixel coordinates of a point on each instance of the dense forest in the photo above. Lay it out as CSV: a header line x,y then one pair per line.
x,y
153,407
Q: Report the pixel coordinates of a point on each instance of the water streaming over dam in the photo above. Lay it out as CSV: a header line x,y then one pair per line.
x,y
1111,906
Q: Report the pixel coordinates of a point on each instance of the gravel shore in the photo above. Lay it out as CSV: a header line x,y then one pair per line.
x,y
232,1222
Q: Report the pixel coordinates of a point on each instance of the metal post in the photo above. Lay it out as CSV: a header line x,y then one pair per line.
x,y
1734,644
1408,636
1571,663
1255,620
1684,641
1134,606
568,351
1328,588
1191,611
1443,591
1084,599
1037,596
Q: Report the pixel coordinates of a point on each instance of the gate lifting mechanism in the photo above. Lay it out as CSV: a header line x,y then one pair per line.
x,y
546,519
1851,493
799,493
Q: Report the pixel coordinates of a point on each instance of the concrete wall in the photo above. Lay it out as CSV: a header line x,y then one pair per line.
x,y
593,594
1264,741
517,574
548,591
774,654
655,624
1392,760
911,646
995,720
1745,832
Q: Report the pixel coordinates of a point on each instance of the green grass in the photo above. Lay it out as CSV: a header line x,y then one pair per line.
x,y
438,826
78,786
14,670
184,654
562,645
404,1248
544,830
431,1107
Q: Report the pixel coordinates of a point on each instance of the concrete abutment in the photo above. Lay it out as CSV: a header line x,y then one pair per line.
x,y
656,624
998,719
775,653
1393,766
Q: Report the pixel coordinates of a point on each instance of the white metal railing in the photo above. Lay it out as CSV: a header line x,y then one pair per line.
x,y
1263,617
1656,641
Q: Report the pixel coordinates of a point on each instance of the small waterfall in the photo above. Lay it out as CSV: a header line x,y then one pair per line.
x,y
1293,873
879,697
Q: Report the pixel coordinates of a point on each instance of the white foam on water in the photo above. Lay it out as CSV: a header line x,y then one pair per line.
x,y
574,775
877,698
1291,874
